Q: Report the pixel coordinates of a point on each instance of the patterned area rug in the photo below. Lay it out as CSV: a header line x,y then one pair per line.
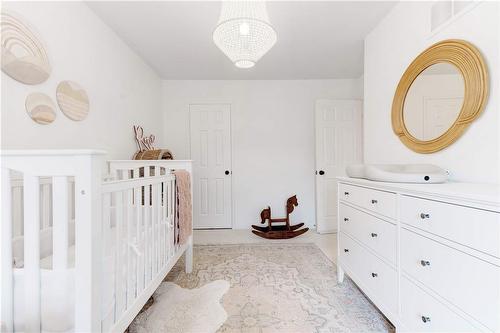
x,y
283,288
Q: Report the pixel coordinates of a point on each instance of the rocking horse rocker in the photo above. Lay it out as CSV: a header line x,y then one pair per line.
x,y
280,231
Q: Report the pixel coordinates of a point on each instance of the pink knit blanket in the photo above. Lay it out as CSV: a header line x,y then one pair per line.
x,y
184,216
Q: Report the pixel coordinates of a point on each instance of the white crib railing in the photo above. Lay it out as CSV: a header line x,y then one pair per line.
x,y
46,218
123,237
85,167
123,169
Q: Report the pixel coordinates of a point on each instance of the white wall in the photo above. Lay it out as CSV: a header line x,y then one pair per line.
x,y
122,89
390,48
273,149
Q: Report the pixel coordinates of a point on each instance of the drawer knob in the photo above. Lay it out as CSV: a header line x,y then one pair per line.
x,y
374,234
346,193
346,219
374,201
374,274
425,263
426,319
424,216
346,250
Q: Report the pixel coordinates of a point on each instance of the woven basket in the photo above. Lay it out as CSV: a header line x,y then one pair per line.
x,y
157,154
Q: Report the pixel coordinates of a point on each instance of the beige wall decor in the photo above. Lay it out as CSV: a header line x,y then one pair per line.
x,y
460,79
23,55
40,108
72,100
146,150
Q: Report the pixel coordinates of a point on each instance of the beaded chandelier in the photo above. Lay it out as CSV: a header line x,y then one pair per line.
x,y
244,33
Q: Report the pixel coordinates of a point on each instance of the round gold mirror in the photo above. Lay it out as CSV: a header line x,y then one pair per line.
x,y
442,91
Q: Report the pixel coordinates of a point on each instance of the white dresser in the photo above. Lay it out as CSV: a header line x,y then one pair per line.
x,y
428,256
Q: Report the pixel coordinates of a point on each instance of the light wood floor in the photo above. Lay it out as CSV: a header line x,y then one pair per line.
x,y
326,242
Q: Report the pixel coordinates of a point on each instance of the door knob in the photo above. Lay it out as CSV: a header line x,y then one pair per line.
x,y
321,172
227,172
425,263
374,274
426,319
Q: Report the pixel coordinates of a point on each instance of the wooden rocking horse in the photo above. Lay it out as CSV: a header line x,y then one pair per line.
x,y
280,231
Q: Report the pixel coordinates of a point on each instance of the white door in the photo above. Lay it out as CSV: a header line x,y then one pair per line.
x,y
439,114
338,144
211,155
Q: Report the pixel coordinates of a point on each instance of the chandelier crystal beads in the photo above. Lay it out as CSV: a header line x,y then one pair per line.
x,y
244,33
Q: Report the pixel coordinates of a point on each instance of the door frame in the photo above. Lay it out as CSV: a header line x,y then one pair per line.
x,y
230,105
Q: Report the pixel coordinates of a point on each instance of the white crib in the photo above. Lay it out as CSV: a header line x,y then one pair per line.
x,y
83,252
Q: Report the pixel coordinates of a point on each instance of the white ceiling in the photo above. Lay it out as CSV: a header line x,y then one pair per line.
x,y
316,40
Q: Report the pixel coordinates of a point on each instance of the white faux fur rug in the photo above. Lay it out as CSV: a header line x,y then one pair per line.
x,y
179,310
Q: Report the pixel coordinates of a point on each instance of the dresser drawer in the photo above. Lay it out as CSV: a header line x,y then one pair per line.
x,y
370,273
475,228
420,312
469,283
380,202
377,234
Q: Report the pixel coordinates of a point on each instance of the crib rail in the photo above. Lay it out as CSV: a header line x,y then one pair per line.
x,y
46,213
123,169
156,198
122,230
84,166
138,219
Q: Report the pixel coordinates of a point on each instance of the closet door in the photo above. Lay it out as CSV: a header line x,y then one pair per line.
x,y
338,144
211,154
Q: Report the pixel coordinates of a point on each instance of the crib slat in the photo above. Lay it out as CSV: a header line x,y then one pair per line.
x,y
174,218
107,318
17,211
119,278
31,254
163,219
147,234
167,227
154,233
45,199
170,219
167,221
60,213
138,240
153,236
7,299
72,199
158,227
129,258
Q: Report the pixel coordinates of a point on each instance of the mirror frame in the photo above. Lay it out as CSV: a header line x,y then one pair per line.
x,y
469,61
